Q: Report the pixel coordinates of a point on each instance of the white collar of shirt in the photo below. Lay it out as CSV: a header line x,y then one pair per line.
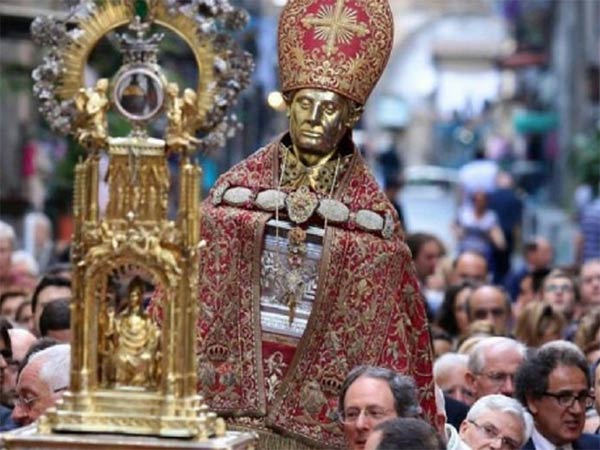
x,y
541,443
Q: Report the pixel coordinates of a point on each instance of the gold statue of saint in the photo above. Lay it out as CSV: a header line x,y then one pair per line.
x,y
136,342
333,285
92,105
318,121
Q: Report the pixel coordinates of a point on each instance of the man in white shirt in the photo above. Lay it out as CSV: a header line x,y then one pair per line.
x,y
478,175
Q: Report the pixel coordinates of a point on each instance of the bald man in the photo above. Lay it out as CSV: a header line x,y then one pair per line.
x,y
492,304
469,266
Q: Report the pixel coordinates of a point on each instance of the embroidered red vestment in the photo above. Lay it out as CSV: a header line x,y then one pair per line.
x,y
367,310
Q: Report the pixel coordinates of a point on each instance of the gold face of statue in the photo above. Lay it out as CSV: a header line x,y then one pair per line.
x,y
318,121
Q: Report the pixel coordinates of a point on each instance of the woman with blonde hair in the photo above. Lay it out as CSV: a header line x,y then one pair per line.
x,y
587,336
538,323
476,332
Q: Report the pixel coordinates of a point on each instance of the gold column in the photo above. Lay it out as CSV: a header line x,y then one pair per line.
x,y
188,217
77,326
92,200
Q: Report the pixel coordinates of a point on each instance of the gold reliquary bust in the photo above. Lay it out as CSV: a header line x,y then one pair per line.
x,y
129,374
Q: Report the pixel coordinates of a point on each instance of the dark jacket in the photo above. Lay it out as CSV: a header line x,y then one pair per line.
x,y
585,442
6,423
456,411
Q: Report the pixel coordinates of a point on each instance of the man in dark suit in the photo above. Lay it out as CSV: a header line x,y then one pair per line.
x,y
456,411
554,384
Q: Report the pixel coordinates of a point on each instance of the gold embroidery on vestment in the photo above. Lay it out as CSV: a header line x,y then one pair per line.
x,y
335,24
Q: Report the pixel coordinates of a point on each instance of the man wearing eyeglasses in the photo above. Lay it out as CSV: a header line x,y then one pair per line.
x,y
554,384
41,383
14,345
492,365
370,396
495,422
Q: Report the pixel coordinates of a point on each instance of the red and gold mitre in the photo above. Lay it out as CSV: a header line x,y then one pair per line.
x,y
338,45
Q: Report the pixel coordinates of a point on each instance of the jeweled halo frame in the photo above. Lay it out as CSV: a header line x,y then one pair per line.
x,y
135,231
223,68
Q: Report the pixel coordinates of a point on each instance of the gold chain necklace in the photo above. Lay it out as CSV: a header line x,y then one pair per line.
x,y
319,177
293,282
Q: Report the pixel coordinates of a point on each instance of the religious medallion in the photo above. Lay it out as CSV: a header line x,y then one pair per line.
x,y
301,204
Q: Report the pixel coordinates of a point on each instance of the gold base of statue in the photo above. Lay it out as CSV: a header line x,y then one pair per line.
x,y
28,438
132,412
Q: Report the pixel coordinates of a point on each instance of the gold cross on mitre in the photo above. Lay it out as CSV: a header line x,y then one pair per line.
x,y
335,24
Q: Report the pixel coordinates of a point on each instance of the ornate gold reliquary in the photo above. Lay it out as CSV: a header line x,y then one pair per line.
x,y
129,375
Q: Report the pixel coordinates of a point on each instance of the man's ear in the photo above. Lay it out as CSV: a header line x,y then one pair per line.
x,y
463,427
470,380
531,404
354,116
287,98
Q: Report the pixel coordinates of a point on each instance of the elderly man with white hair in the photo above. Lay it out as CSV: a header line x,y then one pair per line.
x,y
492,365
445,430
495,422
14,345
449,372
25,269
41,383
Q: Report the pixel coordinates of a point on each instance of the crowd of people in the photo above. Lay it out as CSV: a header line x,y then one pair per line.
x,y
535,338
515,360
35,333
515,365
503,395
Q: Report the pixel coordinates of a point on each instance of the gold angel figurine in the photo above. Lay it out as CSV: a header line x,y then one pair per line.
x,y
181,116
190,114
91,124
174,133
